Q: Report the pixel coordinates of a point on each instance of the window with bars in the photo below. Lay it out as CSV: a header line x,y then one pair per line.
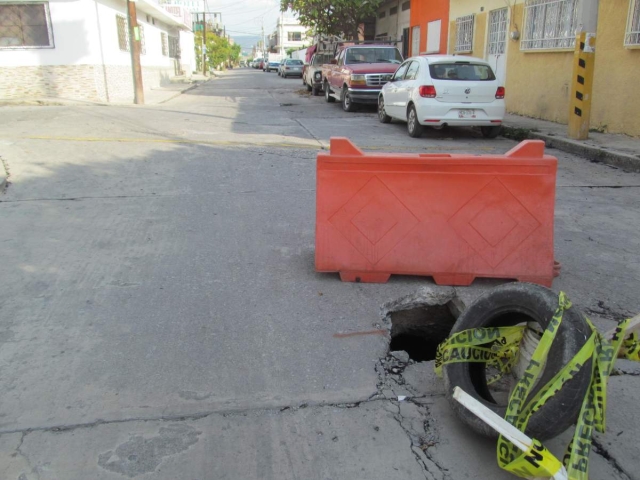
x,y
464,33
294,36
123,33
174,47
550,24
164,44
382,14
406,6
497,32
143,46
632,36
393,11
25,25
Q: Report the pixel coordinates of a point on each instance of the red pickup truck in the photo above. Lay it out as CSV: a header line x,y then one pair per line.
x,y
358,73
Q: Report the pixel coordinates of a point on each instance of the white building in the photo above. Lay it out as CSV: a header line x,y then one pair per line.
x,y
79,49
288,34
393,23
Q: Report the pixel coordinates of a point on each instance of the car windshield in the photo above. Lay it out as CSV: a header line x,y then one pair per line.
x,y
294,62
373,55
461,71
322,59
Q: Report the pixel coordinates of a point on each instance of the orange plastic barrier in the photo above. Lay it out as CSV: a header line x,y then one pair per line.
x,y
452,217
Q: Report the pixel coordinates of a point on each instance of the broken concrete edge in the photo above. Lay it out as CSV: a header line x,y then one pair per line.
x,y
595,154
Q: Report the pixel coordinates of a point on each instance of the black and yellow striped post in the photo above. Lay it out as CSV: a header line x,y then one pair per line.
x,y
582,86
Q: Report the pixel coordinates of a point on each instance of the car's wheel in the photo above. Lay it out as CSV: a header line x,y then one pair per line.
x,y
508,305
327,93
345,100
490,132
382,114
413,125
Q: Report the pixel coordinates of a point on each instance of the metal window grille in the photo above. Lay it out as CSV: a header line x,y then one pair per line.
x,y
123,33
164,43
143,46
406,6
25,25
632,36
382,14
295,36
174,47
464,33
550,24
393,11
497,31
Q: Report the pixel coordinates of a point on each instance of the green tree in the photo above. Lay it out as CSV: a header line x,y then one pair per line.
x,y
219,51
333,17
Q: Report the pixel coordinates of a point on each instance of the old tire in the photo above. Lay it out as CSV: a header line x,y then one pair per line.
x,y
327,94
382,114
511,304
413,125
490,132
315,91
345,100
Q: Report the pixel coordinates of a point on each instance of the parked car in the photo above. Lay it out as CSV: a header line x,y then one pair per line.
x,y
291,67
261,65
312,72
271,65
358,73
256,63
441,90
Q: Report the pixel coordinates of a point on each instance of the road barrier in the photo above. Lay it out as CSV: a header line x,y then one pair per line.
x,y
450,216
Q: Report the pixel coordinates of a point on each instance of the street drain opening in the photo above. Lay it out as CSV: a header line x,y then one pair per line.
x,y
418,331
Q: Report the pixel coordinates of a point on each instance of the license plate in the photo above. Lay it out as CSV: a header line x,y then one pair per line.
x,y
466,114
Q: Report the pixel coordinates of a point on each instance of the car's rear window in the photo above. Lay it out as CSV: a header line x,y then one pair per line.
x,y
322,59
373,55
294,62
461,71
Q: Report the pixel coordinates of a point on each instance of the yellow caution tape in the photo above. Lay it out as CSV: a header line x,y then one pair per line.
x,y
502,353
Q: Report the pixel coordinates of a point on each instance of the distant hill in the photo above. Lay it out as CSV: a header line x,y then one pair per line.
x,y
246,42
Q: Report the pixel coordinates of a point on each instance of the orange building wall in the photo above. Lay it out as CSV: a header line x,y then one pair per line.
x,y
425,11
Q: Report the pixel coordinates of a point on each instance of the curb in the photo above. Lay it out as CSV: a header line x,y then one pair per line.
x,y
595,154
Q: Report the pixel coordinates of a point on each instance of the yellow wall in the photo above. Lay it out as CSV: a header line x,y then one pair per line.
x,y
538,83
616,98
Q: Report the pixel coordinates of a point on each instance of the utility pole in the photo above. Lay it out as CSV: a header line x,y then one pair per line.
x,y
204,43
134,48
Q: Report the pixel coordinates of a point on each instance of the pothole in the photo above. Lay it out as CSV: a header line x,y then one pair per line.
x,y
421,321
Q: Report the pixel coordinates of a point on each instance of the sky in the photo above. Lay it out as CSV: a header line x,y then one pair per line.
x,y
246,17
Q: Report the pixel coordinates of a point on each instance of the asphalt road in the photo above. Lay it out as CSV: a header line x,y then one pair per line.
x,y
160,316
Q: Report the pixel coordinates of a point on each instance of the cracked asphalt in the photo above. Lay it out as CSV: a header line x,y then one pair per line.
x,y
160,316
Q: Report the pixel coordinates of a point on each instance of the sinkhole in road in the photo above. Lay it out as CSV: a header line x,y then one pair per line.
x,y
419,330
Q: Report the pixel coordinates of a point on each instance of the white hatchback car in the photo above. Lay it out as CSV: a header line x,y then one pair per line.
x,y
440,90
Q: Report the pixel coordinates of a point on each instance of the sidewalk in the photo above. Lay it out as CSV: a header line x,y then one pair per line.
x,y
613,149
152,96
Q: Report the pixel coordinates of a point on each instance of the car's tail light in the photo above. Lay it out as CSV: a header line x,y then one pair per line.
x,y
500,92
427,91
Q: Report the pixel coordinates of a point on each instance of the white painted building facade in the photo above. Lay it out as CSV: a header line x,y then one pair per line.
x,y
393,22
288,34
78,49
